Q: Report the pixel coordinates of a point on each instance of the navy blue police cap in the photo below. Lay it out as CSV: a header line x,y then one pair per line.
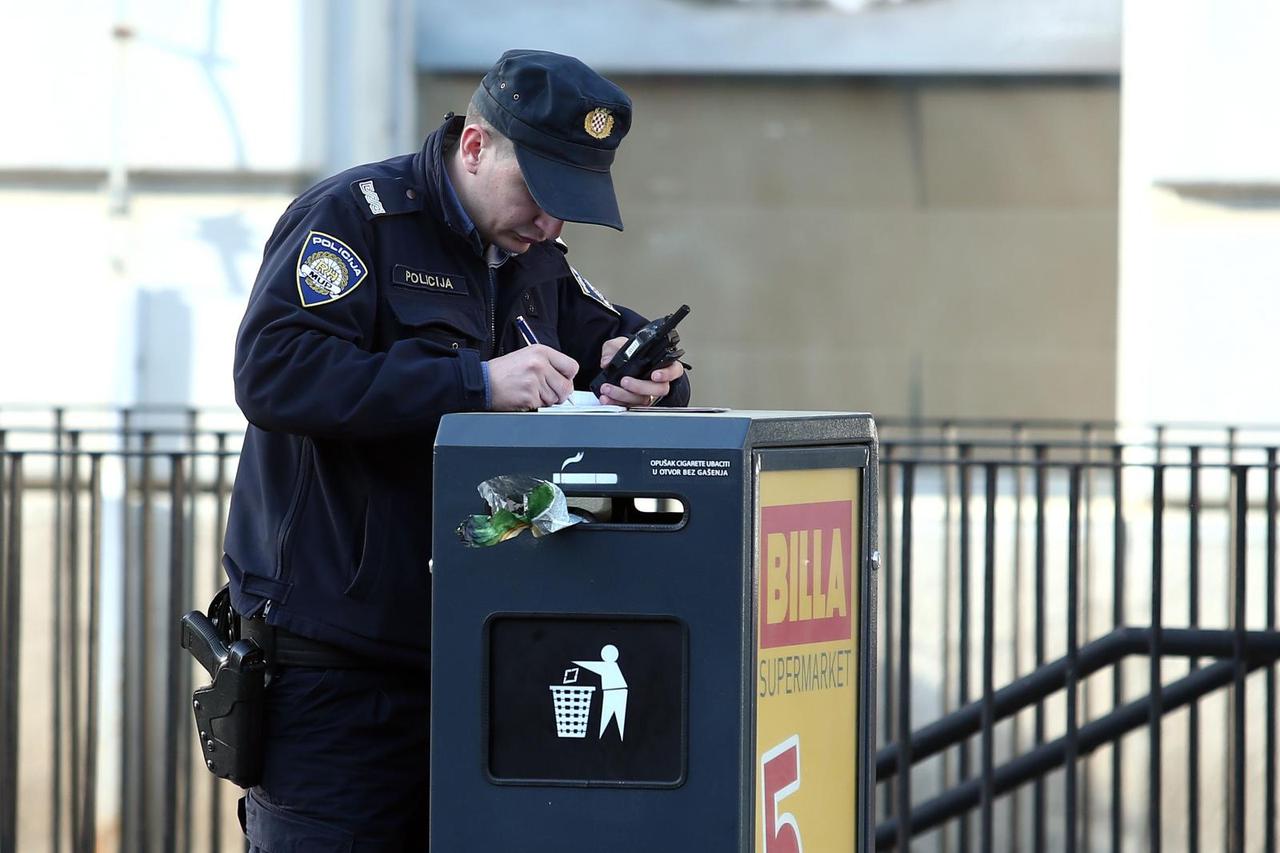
x,y
566,122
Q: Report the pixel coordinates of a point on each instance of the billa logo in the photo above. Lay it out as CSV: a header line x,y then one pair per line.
x,y
806,565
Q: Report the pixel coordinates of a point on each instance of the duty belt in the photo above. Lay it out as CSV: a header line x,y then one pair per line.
x,y
285,648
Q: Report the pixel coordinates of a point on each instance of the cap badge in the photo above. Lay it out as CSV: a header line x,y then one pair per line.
x,y
599,123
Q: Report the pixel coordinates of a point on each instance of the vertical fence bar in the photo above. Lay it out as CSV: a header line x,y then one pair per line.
x,y
219,531
1041,485
966,484
1117,621
1015,613
7,682
140,655
1269,771
948,432
59,627
73,608
129,795
1086,611
1155,652
188,572
12,559
887,572
89,796
988,661
904,666
1232,568
1193,618
177,598
1073,640
186,754
1016,728
1240,483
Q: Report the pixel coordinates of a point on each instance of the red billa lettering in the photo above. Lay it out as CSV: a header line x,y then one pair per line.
x,y
806,573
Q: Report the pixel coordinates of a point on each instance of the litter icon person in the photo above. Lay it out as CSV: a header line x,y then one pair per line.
x,y
613,688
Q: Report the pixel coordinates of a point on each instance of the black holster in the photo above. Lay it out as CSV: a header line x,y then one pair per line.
x,y
240,654
230,711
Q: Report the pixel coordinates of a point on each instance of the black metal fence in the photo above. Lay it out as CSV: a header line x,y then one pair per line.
x,y
1077,642
1119,590
112,523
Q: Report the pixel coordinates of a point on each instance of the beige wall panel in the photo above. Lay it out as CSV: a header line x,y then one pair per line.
x,y
973,307
768,145
893,247
1021,146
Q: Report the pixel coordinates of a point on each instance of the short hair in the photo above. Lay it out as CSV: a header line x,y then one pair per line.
x,y
502,145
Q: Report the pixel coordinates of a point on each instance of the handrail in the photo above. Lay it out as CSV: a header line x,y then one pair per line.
x,y
1107,729
1039,685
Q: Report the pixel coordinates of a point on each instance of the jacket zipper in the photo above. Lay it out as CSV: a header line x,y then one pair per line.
x,y
304,477
493,310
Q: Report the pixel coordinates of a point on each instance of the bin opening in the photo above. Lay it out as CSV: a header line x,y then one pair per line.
x,y
613,511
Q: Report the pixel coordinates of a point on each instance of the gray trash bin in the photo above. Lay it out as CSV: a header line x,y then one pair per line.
x,y
692,669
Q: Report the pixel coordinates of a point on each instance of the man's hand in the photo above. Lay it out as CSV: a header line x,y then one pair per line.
x,y
636,391
530,377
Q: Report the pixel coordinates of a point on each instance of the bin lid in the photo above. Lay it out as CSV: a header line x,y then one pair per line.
x,y
729,429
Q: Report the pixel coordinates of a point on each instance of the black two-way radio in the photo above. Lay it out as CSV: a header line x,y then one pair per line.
x,y
656,344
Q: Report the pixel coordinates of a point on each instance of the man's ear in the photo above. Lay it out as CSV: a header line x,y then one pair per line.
x,y
474,139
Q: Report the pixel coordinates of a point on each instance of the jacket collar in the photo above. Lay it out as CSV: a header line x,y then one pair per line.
x,y
442,200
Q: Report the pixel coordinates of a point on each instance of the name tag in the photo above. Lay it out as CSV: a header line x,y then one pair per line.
x,y
435,282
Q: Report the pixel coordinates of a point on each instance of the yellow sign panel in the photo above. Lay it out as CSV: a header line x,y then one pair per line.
x,y
809,572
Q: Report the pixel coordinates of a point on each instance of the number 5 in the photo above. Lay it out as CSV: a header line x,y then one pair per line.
x,y
779,779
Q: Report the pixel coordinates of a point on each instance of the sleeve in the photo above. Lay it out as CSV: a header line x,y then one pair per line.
x,y
304,359
587,320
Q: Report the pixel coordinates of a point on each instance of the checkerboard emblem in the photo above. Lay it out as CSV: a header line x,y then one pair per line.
x,y
599,123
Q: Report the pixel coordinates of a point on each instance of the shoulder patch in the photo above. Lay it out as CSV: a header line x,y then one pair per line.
x,y
328,269
589,291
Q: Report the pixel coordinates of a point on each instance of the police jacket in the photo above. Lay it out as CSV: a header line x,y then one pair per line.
x,y
371,316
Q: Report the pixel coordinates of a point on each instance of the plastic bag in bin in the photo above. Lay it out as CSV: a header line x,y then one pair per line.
x,y
517,504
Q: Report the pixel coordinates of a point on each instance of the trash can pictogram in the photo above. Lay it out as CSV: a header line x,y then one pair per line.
x,y
573,706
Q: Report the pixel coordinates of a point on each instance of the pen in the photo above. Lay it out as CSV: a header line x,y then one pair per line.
x,y
526,332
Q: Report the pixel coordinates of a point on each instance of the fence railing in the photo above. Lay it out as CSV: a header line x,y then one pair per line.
x,y
108,530
1096,669
1040,566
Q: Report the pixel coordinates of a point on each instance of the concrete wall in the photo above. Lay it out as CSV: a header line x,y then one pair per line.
x,y
900,246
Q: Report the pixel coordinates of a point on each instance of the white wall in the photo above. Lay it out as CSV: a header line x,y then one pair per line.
x,y
1200,212
203,85
141,176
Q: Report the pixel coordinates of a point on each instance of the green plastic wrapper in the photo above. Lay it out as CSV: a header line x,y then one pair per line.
x,y
517,504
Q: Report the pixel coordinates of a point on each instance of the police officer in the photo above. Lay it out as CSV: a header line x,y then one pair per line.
x,y
389,295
